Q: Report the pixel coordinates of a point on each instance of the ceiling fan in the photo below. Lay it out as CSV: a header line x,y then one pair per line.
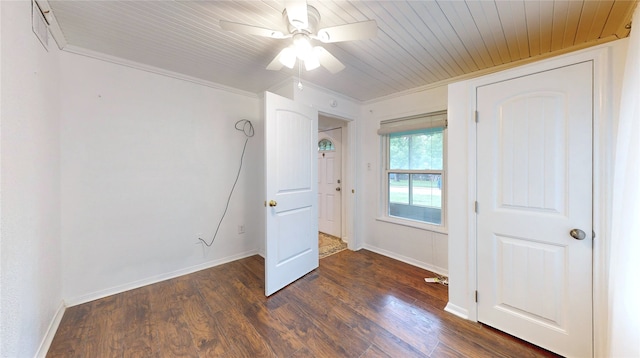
x,y
302,23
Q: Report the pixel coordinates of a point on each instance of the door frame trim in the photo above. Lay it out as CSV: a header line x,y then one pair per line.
x,y
603,124
348,206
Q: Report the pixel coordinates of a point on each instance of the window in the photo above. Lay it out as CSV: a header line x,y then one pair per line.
x,y
325,145
415,168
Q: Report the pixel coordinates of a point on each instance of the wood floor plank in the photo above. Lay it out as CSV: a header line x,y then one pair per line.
x,y
254,287
335,322
255,265
443,351
72,329
106,333
374,305
375,352
244,337
208,337
136,325
394,276
210,285
170,332
255,309
356,304
317,342
359,325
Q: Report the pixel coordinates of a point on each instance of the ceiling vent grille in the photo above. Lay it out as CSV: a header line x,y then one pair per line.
x,y
39,25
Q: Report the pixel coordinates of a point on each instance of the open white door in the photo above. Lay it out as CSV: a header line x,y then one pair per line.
x,y
534,216
291,166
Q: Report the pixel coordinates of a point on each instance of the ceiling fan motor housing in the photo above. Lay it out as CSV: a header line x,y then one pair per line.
x,y
313,21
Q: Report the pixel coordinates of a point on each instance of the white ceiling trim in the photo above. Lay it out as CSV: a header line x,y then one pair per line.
x,y
156,70
293,81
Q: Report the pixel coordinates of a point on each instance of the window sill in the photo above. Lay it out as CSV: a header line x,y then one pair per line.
x,y
413,224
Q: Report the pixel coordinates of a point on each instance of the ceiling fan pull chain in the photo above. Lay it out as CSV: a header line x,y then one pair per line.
x,y
300,75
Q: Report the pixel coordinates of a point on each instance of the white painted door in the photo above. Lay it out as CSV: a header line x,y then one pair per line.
x,y
291,248
534,185
330,187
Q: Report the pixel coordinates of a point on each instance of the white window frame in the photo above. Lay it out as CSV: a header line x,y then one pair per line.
x,y
384,188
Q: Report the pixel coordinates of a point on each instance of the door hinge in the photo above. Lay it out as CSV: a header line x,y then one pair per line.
x,y
476,296
475,206
475,115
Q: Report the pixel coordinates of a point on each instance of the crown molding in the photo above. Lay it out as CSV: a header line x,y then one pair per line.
x,y
152,69
293,81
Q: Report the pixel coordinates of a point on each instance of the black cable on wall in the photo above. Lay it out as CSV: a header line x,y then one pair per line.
x,y
246,127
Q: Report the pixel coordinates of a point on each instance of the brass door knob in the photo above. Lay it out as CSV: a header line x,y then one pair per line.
x,y
273,203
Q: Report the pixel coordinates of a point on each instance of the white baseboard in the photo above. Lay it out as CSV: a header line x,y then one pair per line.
x,y
409,260
154,279
457,310
51,332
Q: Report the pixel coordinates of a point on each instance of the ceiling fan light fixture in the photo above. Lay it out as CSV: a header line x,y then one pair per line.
x,y
302,46
311,62
288,57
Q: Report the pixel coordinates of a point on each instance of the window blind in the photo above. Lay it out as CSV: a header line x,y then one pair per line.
x,y
406,124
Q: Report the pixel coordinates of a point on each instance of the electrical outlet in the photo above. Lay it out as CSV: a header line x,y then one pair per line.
x,y
240,229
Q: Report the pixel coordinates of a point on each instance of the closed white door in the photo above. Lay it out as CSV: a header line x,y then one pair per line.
x,y
330,188
534,186
291,247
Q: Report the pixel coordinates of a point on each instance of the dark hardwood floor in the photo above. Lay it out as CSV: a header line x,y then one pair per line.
x,y
356,304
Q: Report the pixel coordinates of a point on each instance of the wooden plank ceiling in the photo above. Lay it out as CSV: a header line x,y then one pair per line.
x,y
418,42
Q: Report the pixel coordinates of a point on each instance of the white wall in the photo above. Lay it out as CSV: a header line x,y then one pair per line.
x,y
147,165
423,248
30,274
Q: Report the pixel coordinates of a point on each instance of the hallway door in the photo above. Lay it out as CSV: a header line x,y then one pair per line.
x,y
330,183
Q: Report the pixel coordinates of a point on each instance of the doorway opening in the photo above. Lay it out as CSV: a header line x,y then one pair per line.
x,y
332,157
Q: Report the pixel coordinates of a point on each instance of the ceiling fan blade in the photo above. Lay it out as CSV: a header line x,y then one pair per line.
x,y
297,13
251,30
327,60
275,65
349,32
286,57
